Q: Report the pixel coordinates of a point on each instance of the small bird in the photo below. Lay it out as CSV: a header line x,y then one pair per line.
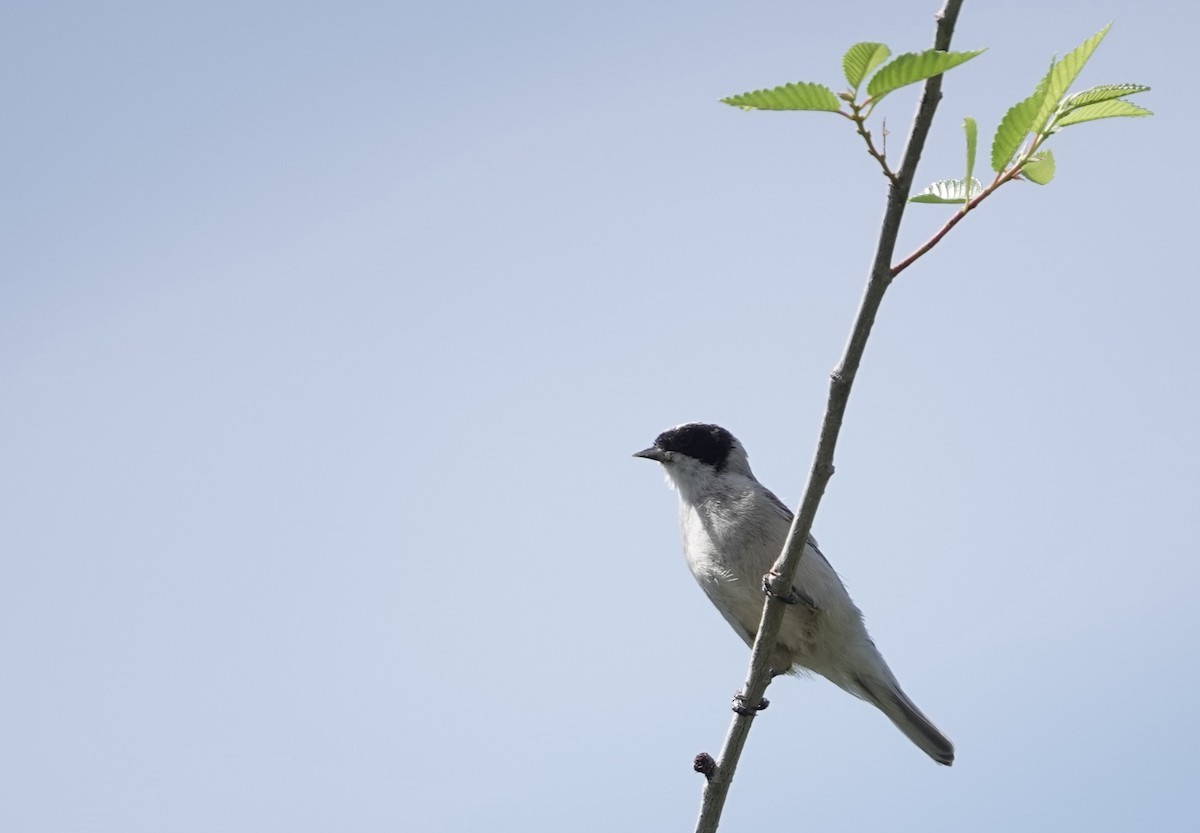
x,y
733,529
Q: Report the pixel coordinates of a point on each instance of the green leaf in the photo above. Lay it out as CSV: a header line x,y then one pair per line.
x,y
1100,110
949,191
1040,167
972,131
799,96
912,67
1063,74
1014,127
1034,113
860,59
1103,92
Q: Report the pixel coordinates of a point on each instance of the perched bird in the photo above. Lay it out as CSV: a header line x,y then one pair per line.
x,y
733,530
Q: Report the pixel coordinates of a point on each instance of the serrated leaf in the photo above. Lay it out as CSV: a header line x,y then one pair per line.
x,y
949,191
1063,74
1040,168
802,95
972,131
1101,110
860,59
1014,127
1102,92
912,67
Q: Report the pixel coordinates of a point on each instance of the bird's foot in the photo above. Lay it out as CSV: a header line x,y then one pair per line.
x,y
794,596
741,707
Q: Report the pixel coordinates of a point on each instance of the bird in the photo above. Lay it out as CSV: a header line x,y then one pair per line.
x,y
733,529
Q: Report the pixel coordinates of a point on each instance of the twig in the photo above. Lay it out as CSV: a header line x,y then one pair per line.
x,y
940,233
1008,175
780,579
859,120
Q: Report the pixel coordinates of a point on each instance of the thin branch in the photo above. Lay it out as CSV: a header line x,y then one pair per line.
x,y
780,579
860,120
1007,175
933,241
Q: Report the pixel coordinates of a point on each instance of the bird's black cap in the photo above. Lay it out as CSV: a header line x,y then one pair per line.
x,y
707,443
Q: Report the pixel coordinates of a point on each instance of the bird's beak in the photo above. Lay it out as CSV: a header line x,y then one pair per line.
x,y
653,453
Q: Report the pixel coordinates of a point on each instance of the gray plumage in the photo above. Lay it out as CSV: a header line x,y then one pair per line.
x,y
733,529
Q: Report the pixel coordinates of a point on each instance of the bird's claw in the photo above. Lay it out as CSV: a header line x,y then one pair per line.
x,y
739,705
794,596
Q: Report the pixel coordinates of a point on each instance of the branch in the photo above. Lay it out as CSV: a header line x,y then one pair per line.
x,y
860,121
970,205
780,578
1007,175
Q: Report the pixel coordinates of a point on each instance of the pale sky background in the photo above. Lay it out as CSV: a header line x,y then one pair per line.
x,y
327,331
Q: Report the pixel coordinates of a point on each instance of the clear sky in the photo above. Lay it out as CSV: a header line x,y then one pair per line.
x,y
327,331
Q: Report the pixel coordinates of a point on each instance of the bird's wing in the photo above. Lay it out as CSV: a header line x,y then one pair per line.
x,y
787,514
812,544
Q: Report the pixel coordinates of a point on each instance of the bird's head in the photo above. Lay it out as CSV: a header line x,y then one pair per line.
x,y
694,453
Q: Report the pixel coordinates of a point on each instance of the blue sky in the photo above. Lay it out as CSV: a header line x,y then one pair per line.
x,y
327,332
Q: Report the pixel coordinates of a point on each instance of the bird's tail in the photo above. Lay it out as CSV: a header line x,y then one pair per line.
x,y
892,701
